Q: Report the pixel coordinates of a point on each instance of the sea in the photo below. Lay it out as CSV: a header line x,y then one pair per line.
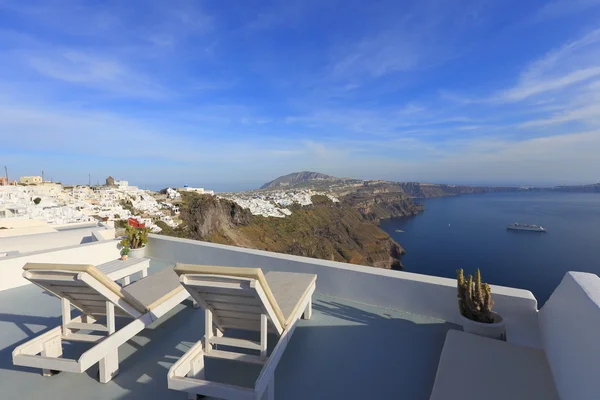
x,y
469,232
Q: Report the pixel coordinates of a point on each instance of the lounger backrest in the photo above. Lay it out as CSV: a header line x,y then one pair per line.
x,y
84,286
236,296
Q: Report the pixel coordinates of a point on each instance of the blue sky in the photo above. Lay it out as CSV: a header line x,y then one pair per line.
x,y
230,94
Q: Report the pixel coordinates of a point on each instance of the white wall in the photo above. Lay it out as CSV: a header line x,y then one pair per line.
x,y
53,240
570,331
11,268
416,293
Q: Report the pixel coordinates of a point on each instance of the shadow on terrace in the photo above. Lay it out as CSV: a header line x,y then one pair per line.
x,y
347,350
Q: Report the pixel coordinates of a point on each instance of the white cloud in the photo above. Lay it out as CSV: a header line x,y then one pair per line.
x,y
90,70
573,63
546,159
579,114
560,8
529,89
379,56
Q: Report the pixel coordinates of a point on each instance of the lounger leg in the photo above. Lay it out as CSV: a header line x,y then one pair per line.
x,y
52,348
87,319
109,366
126,281
263,335
308,311
196,371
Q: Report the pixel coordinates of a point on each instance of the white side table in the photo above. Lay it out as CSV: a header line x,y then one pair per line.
x,y
123,269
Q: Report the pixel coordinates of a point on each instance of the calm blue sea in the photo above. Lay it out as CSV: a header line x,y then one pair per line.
x,y
470,232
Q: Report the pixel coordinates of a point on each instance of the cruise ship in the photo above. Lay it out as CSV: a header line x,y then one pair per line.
x,y
525,227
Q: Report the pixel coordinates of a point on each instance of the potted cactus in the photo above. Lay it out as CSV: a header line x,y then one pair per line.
x,y
124,253
475,306
135,240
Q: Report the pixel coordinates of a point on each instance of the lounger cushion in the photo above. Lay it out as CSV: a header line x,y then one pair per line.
x,y
94,273
155,289
252,273
289,288
473,367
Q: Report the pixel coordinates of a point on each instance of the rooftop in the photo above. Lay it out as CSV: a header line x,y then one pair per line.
x,y
373,334
397,358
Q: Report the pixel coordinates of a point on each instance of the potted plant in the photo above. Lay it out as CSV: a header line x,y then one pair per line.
x,y
124,253
475,305
135,240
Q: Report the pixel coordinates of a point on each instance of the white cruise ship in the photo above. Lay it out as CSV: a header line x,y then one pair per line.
x,y
525,227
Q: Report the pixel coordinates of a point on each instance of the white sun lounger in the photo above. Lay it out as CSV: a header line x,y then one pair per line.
x,y
97,297
240,298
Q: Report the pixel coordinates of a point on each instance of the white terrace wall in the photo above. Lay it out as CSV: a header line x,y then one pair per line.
x,y
570,331
54,240
11,268
416,293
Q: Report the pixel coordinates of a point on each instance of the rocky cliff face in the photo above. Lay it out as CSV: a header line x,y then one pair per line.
x,y
205,215
377,206
326,230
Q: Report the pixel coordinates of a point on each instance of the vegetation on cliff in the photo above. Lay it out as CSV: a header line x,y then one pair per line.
x,y
325,230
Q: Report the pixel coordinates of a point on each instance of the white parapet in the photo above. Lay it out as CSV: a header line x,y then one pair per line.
x,y
11,267
570,332
415,293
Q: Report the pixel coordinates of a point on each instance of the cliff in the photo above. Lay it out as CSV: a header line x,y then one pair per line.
x,y
427,190
205,215
325,230
377,206
594,188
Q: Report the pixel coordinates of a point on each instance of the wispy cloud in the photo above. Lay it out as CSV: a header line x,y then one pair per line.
x,y
529,89
94,71
559,8
572,63
378,57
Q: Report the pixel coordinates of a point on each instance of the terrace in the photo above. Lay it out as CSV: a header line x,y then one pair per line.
x,y
373,333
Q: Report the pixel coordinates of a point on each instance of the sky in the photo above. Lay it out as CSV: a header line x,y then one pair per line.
x,y
231,94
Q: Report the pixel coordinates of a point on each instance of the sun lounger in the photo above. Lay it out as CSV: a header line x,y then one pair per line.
x,y
97,297
240,298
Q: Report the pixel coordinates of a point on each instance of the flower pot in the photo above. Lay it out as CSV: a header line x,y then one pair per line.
x,y
123,257
137,253
495,330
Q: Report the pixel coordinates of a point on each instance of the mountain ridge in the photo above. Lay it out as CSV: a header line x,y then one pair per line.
x,y
345,186
296,178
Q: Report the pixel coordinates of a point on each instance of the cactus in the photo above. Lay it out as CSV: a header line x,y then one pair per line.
x,y
474,298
